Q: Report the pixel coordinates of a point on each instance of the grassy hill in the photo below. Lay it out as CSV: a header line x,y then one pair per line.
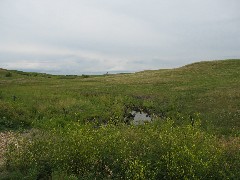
x,y
208,88
201,100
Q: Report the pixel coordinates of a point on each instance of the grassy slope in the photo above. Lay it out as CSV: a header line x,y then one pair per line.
x,y
47,102
209,88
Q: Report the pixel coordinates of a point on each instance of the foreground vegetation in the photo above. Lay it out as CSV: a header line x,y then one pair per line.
x,y
74,127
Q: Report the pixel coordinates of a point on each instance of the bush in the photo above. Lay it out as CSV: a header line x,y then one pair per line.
x,y
1,95
9,74
85,76
13,117
153,151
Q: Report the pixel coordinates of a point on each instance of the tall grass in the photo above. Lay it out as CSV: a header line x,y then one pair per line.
x,y
155,151
75,124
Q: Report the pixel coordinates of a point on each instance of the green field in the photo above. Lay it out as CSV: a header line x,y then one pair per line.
x,y
75,127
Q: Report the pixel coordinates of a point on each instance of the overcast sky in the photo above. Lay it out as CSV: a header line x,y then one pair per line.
x,y
77,36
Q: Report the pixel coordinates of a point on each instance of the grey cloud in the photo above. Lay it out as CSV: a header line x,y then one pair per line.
x,y
109,35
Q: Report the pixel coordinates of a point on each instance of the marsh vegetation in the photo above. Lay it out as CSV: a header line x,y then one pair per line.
x,y
82,127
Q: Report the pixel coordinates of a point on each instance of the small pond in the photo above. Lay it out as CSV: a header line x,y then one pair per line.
x,y
138,117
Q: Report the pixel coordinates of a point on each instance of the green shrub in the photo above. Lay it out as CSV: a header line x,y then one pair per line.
x,y
154,151
85,76
13,117
1,95
9,74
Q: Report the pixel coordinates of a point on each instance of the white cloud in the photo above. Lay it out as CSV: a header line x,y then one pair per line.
x,y
62,58
93,35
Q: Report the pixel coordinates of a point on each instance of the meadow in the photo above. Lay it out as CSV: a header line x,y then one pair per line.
x,y
80,127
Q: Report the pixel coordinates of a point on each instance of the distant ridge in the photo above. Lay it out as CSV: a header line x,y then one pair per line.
x,y
200,64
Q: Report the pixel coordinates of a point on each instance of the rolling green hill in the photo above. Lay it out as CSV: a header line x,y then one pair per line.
x,y
203,95
209,88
